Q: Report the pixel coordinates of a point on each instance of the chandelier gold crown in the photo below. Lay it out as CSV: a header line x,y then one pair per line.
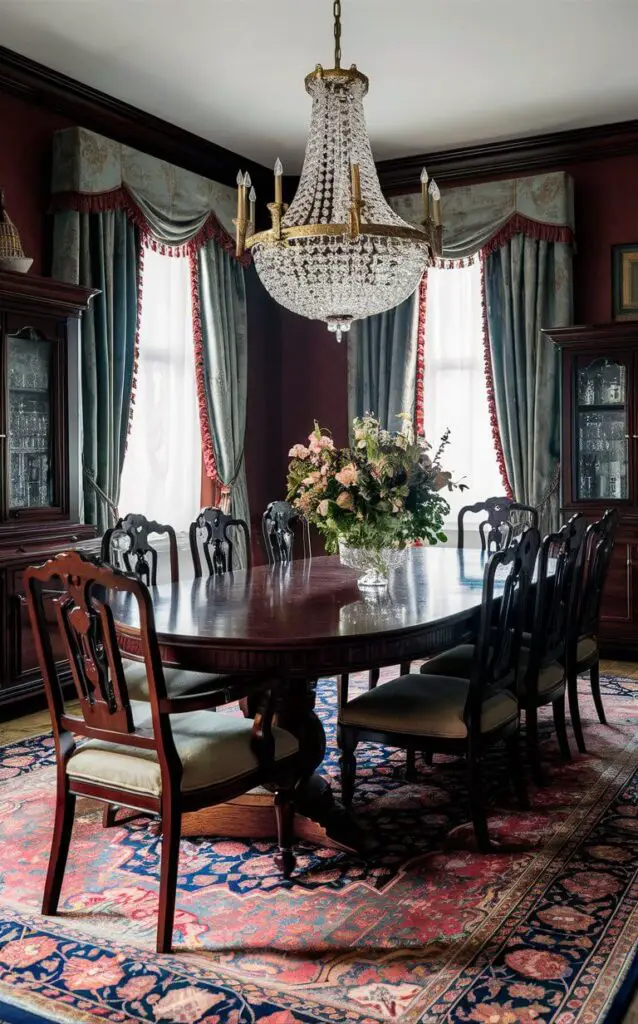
x,y
338,252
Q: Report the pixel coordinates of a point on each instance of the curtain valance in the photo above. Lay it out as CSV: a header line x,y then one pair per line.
x,y
485,216
176,209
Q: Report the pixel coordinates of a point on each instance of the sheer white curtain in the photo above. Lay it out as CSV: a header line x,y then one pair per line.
x,y
455,393
162,469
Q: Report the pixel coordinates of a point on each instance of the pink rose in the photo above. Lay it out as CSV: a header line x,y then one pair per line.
x,y
345,501
323,506
299,451
317,444
348,475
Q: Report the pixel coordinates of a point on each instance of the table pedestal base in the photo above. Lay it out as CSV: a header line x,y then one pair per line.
x,y
320,819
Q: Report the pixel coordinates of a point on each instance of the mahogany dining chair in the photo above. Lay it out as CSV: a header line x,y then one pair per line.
x,y
167,756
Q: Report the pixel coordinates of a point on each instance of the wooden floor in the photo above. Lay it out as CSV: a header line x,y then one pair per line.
x,y
39,722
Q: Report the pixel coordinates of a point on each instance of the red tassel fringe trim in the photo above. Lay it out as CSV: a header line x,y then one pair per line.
x,y
419,411
121,199
208,448
136,348
489,384
521,225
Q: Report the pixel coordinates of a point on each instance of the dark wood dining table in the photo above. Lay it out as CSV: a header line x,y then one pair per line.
x,y
304,621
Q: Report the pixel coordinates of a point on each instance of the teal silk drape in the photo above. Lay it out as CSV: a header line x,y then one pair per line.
x,y
382,365
105,247
108,197
528,287
224,339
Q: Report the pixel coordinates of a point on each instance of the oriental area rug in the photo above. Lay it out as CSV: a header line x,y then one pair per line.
x,y
426,931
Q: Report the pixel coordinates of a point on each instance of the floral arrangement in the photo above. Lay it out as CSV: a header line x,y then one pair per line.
x,y
382,491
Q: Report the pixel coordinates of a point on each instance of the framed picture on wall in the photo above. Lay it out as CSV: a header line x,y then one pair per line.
x,y
624,280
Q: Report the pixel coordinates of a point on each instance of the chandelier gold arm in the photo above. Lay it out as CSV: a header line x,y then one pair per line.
x,y
280,235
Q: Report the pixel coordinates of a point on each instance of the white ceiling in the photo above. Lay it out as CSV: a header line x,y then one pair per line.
x,y
443,73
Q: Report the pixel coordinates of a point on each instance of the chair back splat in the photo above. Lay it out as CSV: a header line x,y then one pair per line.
x,y
497,529
86,624
126,546
213,536
502,622
278,528
556,594
599,546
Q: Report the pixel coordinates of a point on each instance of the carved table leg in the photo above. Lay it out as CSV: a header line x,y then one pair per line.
x,y
319,818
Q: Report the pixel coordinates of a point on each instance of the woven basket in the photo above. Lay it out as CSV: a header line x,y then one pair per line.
x,y
10,246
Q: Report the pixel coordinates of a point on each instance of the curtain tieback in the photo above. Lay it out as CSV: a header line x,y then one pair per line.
x,y
551,490
89,475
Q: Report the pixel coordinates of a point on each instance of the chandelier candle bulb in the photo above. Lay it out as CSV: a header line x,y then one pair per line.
x,y
279,170
252,195
435,195
425,194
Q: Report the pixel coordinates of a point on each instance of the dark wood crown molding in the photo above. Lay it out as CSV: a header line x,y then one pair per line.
x,y
513,156
101,113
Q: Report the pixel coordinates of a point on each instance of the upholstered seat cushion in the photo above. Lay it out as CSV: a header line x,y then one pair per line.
x,y
549,677
587,648
458,661
455,662
213,749
179,681
425,706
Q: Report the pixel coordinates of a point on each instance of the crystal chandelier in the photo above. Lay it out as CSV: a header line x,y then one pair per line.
x,y
338,252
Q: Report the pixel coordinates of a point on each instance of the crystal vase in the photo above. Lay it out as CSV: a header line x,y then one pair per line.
x,y
376,563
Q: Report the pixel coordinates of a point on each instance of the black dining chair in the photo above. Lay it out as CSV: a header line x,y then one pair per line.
x,y
127,546
498,527
279,524
449,715
582,654
213,536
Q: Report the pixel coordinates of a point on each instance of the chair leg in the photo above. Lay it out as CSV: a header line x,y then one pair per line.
x,y
348,765
171,827
285,859
594,675
533,748
108,815
62,829
428,757
373,677
410,765
515,760
405,667
558,707
574,710
479,817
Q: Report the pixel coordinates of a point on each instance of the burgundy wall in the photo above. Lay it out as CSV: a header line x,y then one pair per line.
x,y
25,172
606,198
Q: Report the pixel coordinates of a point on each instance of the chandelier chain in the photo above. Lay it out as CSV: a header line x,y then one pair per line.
x,y
336,10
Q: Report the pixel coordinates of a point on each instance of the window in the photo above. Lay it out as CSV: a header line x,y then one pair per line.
x,y
455,395
162,469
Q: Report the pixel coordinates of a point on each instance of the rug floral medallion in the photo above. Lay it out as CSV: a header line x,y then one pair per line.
x,y
426,931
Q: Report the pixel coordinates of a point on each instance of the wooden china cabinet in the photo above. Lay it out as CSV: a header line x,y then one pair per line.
x,y
599,457
40,472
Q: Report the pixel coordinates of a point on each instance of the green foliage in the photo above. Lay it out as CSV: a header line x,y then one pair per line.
x,y
382,491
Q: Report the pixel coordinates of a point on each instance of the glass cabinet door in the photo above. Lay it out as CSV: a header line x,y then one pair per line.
x,y
30,373
602,429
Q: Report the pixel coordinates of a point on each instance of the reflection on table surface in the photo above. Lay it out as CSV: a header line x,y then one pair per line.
x,y
316,598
